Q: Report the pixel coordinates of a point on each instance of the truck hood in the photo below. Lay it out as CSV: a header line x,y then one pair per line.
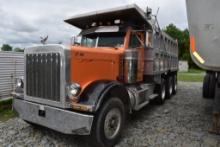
x,y
89,65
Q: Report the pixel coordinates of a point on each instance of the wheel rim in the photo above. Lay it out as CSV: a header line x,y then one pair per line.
x,y
112,123
163,92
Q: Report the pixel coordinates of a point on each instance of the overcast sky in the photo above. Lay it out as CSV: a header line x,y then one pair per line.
x,y
24,21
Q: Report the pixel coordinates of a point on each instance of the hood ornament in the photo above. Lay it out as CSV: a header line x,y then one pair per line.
x,y
43,39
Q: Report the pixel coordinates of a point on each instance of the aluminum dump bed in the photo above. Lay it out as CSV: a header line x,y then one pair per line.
x,y
204,25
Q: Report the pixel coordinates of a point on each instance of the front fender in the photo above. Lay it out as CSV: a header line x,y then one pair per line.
x,y
96,93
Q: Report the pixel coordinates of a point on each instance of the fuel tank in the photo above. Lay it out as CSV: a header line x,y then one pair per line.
x,y
131,66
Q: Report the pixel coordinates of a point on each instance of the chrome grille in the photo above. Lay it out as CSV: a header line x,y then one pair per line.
x,y
43,75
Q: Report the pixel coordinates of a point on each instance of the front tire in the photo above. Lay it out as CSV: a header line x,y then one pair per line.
x,y
108,123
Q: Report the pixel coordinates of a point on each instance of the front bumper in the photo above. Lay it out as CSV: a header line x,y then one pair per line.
x,y
64,121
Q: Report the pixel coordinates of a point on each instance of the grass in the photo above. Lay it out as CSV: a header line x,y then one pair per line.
x,y
194,71
193,75
6,111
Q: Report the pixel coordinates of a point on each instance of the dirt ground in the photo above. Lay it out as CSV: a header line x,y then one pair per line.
x,y
182,121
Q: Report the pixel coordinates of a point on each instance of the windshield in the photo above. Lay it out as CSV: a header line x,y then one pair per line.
x,y
115,40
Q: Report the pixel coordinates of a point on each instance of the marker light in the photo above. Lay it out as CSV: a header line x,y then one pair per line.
x,y
193,49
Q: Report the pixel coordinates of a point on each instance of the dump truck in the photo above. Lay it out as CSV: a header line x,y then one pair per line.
x,y
205,40
119,62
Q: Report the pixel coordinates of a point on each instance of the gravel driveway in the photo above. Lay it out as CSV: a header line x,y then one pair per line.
x,y
182,121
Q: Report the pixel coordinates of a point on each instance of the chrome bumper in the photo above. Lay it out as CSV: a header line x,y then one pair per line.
x,y
60,120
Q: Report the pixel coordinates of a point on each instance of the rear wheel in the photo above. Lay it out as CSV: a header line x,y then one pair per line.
x,y
174,84
205,91
209,85
108,123
160,89
169,87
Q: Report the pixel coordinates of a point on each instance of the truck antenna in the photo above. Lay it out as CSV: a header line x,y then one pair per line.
x,y
158,9
158,25
156,20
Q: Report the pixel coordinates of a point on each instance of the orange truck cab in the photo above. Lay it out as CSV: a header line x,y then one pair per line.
x,y
119,62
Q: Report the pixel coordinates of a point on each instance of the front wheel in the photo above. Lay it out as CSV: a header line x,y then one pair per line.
x,y
108,123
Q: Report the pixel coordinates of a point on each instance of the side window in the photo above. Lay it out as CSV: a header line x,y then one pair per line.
x,y
90,42
134,41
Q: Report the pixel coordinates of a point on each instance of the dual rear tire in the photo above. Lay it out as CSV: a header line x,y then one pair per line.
x,y
209,84
171,87
167,88
174,84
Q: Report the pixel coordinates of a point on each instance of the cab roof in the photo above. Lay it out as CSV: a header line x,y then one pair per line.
x,y
129,14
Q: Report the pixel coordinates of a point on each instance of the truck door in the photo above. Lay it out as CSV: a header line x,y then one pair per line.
x,y
137,43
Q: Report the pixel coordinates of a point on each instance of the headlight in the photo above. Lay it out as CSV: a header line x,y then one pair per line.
x,y
74,90
20,83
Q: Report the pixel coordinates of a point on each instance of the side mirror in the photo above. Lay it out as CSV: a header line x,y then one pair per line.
x,y
75,40
149,38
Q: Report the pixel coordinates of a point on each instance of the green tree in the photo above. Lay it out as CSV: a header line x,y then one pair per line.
x,y
17,49
176,33
183,42
6,47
